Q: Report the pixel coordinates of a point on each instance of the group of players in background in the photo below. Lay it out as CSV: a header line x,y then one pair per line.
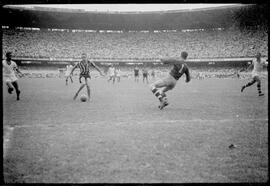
x,y
158,88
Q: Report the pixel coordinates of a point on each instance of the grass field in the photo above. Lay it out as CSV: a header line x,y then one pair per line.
x,y
121,135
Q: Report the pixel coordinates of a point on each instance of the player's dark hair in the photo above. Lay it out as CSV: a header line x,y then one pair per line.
x,y
184,55
8,54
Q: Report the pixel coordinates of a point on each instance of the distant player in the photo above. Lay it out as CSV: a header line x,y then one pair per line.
x,y
256,73
145,75
9,70
118,74
136,74
111,73
168,83
84,66
68,70
153,74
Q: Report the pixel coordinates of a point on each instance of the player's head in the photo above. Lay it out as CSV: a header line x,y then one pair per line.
x,y
84,56
258,55
8,55
184,55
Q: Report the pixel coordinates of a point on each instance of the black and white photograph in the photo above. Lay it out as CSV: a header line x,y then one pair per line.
x,y
135,93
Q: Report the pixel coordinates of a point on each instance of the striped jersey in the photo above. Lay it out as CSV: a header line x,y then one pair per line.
x,y
84,67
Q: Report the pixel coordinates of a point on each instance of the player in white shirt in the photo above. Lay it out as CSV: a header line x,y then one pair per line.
x,y
118,74
68,70
256,73
111,73
9,76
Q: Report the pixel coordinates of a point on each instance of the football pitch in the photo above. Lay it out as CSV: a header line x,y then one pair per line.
x,y
121,136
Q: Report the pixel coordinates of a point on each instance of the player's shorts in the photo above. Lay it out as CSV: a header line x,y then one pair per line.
x,y
10,78
145,75
136,75
85,76
168,81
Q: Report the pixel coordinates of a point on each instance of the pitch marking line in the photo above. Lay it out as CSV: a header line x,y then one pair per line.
x,y
137,122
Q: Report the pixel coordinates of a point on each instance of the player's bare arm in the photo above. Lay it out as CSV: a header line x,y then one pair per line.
x,y
71,72
188,78
97,68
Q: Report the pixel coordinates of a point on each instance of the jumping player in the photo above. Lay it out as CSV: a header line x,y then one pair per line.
x,y
9,69
68,70
84,66
168,83
136,74
257,68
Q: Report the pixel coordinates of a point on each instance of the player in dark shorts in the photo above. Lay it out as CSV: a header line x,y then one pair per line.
x,y
136,74
145,75
84,66
168,83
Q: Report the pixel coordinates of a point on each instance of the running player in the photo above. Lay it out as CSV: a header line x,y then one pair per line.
x,y
9,69
168,83
68,70
84,66
257,68
145,75
111,72
136,74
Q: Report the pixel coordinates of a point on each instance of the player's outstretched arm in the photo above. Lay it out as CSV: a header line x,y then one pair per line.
x,y
97,68
188,78
170,60
73,68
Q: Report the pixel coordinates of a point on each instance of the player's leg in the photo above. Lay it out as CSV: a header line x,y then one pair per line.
x,y
16,86
77,93
9,86
248,84
258,85
71,79
147,80
66,80
155,86
113,79
88,88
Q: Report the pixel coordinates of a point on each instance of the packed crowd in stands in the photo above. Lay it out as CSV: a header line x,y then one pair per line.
x,y
202,44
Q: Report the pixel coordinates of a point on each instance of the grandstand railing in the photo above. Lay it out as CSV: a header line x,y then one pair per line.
x,y
48,59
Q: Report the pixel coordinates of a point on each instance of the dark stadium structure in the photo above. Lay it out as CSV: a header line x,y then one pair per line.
x,y
158,20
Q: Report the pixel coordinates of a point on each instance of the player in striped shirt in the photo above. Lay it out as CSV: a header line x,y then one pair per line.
x,y
84,66
256,72
168,83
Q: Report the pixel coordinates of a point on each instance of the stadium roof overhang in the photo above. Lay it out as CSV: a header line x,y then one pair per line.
x,y
162,20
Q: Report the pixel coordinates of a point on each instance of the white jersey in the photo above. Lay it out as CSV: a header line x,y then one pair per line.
x,y
9,71
68,69
118,72
257,68
111,71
